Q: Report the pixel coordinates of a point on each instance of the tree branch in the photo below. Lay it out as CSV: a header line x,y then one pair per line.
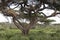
x,y
32,23
52,15
18,24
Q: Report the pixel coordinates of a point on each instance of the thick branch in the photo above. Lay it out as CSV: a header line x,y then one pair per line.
x,y
18,24
9,12
32,23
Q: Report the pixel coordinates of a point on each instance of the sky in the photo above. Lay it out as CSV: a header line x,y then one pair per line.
x,y
49,12
4,18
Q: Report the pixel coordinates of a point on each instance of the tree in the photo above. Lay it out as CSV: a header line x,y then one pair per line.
x,y
28,12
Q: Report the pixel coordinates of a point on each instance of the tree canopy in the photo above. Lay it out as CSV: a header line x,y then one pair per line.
x,y
29,10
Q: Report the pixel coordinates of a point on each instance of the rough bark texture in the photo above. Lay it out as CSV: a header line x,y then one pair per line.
x,y
25,32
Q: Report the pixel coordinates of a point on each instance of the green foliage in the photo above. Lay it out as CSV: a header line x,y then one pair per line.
x,y
41,33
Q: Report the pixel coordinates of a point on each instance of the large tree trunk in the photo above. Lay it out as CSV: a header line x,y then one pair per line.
x,y
23,28
25,32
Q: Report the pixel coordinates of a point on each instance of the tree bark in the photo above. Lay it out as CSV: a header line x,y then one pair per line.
x,y
25,32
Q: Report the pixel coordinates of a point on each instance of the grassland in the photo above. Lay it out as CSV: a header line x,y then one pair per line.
x,y
48,32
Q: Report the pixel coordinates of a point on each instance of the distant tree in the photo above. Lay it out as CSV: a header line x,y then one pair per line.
x,y
29,13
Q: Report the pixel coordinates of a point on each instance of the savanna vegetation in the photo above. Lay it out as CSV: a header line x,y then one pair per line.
x,y
26,16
